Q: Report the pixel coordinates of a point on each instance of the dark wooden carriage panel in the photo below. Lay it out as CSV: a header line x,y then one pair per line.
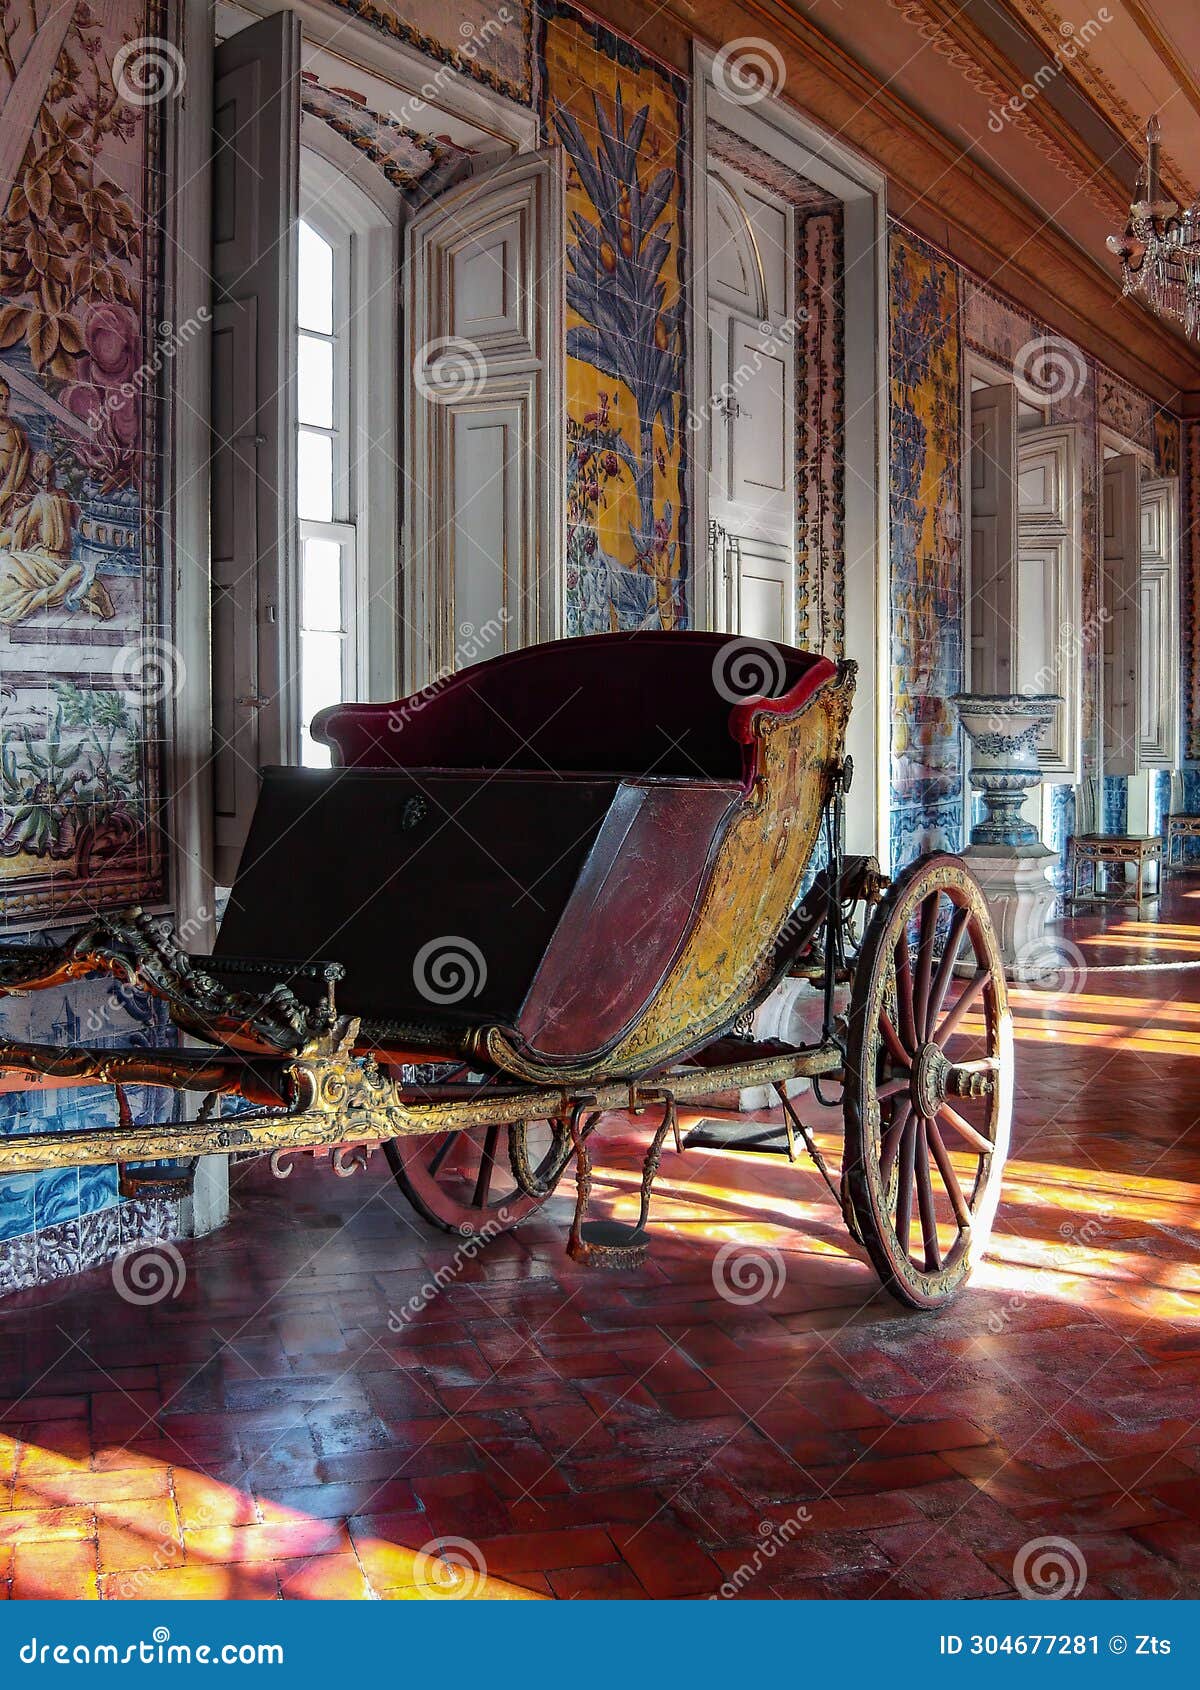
x,y
368,867
562,900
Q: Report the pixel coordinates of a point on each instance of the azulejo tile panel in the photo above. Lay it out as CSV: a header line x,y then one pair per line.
x,y
620,120
48,1205
66,1247
80,728
926,549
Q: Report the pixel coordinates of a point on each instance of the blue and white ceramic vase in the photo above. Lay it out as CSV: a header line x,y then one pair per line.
x,y
1004,729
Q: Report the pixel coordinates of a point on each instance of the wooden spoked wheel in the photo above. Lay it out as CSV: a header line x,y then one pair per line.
x,y
464,1181
929,1083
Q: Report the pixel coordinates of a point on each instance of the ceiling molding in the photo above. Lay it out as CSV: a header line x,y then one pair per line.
x,y
951,34
934,185
1050,29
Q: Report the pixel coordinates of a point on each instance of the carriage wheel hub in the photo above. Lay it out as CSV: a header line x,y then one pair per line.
x,y
930,1080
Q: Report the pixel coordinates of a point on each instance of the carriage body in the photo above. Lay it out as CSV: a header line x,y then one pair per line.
x,y
568,876
572,863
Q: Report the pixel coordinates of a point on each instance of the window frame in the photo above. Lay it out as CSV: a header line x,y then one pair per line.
x,y
340,528
341,337
366,492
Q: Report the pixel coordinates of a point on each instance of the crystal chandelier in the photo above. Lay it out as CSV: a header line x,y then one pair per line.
x,y
1160,249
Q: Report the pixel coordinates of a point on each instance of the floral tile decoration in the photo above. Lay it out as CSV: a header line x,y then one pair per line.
x,y
57,1251
420,166
620,120
80,719
99,1238
926,550
18,1262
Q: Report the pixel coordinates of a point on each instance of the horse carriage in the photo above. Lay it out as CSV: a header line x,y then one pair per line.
x,y
558,885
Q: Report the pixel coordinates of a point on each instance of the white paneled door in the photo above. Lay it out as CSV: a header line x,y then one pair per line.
x,y
1046,601
1159,668
993,630
484,443
751,472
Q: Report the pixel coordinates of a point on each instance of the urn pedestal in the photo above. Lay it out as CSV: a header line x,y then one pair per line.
x,y
1005,852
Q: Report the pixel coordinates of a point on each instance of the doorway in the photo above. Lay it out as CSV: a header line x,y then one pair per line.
x,y
751,437
789,411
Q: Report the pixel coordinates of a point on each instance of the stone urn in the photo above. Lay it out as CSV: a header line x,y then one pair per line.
x,y
1004,729
1006,853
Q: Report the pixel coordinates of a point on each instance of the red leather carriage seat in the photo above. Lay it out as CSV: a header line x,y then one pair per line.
x,y
648,703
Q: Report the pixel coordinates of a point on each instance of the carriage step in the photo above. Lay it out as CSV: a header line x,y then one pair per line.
x,y
761,1138
614,1244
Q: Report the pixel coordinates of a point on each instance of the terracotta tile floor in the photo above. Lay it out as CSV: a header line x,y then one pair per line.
x,y
268,1433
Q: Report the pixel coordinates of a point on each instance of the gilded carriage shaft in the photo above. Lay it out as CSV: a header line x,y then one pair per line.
x,y
567,919
312,1102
